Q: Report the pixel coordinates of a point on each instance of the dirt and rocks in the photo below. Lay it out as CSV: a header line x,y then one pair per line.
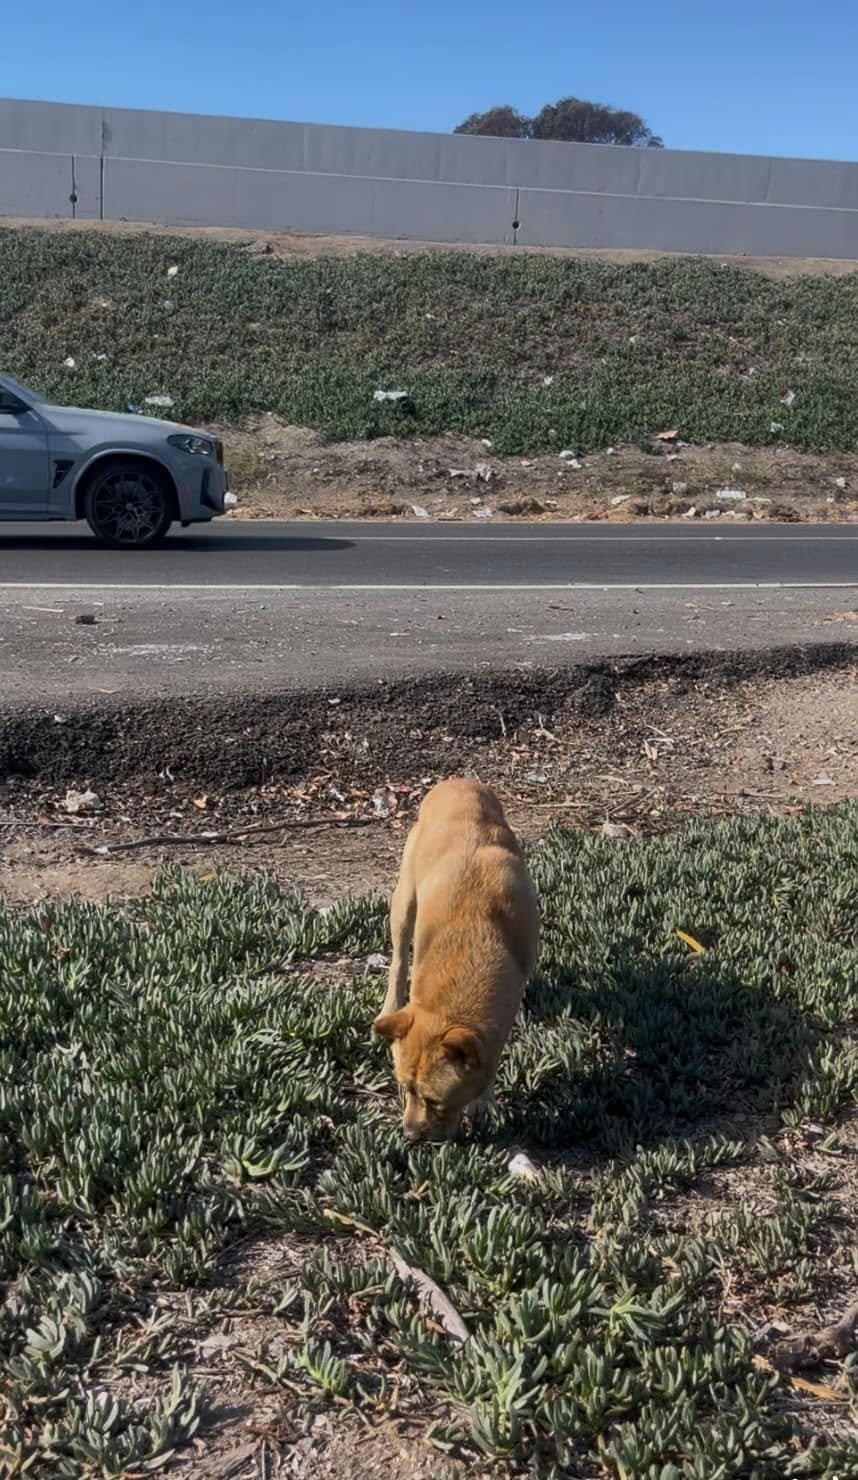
x,y
283,472
320,788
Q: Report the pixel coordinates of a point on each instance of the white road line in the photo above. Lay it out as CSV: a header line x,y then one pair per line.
x,y
580,539
432,586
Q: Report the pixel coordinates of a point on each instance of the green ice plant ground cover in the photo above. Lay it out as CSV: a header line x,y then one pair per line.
x,y
193,1073
534,352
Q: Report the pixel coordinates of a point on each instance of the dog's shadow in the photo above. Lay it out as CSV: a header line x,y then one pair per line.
x,y
659,1048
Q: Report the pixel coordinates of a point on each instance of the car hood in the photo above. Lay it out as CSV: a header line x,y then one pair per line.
x,y
76,419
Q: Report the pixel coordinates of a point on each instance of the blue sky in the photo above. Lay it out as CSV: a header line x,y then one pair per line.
x,y
764,77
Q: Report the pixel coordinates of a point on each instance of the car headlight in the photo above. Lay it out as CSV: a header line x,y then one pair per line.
x,y
196,445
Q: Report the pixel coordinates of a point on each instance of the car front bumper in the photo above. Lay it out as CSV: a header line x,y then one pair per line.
x,y
202,492
214,488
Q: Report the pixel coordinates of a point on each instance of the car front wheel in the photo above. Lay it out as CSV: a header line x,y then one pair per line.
x,y
128,506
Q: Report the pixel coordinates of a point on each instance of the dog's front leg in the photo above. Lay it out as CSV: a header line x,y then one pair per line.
x,y
487,1098
484,1102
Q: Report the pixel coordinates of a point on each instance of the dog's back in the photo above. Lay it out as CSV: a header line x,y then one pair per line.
x,y
475,901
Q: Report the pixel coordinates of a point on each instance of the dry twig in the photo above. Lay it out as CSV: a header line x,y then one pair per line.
x,y
240,835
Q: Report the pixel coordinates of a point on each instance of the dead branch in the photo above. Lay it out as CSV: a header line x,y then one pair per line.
x,y
215,839
812,1347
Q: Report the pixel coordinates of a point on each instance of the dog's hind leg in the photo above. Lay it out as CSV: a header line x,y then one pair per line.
x,y
403,912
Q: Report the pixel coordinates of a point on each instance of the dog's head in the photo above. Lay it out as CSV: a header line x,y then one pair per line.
x,y
441,1068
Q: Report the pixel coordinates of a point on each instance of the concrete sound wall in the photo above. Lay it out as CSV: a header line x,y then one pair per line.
x,y
59,160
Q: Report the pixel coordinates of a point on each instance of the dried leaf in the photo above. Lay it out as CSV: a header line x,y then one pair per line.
x,y
690,941
337,1217
800,1384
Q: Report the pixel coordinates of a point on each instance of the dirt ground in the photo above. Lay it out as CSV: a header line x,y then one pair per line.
x,y
640,757
283,472
300,245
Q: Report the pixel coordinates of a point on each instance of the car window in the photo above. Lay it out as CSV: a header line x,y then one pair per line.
x,y
19,388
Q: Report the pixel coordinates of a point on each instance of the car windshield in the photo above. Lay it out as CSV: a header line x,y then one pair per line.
x,y
21,390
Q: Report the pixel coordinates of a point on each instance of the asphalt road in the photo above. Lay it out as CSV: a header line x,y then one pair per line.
x,y
392,556
240,606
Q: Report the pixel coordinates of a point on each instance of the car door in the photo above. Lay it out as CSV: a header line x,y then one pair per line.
x,y
24,465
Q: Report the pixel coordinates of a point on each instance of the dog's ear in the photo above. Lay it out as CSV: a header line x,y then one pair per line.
x,y
462,1047
393,1025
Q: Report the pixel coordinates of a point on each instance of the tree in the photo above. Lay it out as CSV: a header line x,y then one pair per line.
x,y
575,121
498,123
570,120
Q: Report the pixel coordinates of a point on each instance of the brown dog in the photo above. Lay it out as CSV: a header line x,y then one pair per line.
x,y
465,900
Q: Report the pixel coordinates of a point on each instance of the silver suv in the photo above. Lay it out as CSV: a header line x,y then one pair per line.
x,y
129,476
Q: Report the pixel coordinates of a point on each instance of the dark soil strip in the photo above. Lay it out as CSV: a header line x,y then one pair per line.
x,y
246,740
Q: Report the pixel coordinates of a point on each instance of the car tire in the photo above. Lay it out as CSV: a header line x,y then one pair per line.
x,y
128,505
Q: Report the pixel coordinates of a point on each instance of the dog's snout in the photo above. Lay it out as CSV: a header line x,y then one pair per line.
x,y
412,1133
